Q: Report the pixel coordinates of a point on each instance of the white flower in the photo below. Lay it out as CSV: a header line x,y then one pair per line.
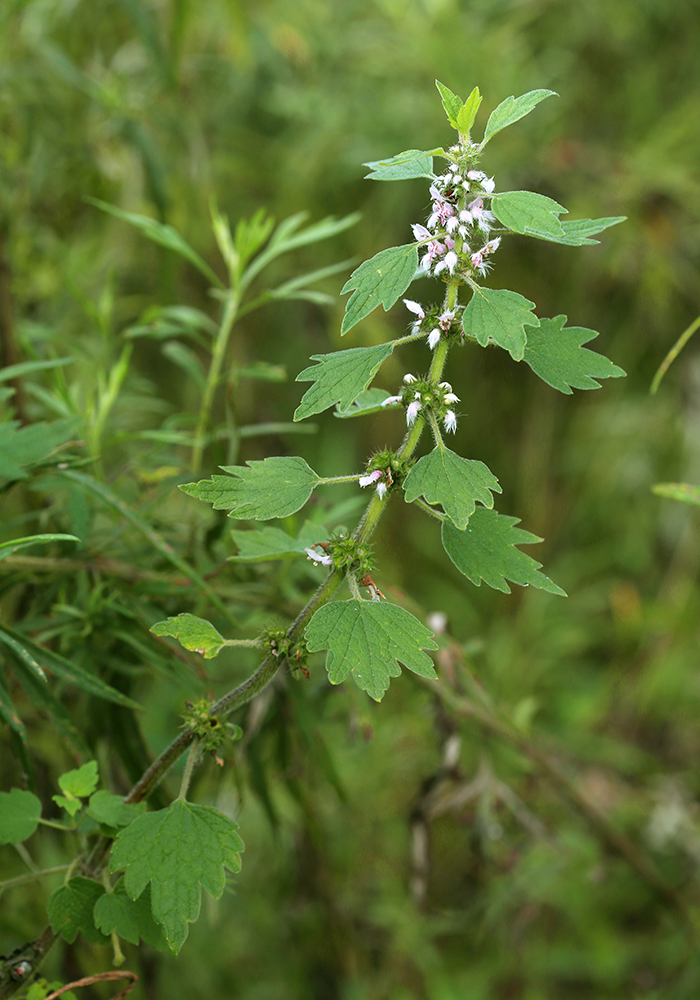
x,y
421,233
381,489
450,421
433,339
371,478
415,307
482,216
449,261
466,216
449,397
412,411
488,184
452,224
446,319
389,401
408,378
315,558
446,385
476,175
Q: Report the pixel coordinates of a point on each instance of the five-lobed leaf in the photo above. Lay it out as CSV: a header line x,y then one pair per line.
x,y
486,550
195,634
339,377
497,316
275,487
512,110
130,918
555,353
404,166
529,213
457,483
179,850
71,909
381,280
19,815
369,639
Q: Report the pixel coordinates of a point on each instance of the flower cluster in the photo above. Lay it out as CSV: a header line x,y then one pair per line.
x,y
385,469
458,219
434,322
341,552
418,395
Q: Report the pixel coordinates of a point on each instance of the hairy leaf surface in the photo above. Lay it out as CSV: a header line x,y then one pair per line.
x,y
275,487
381,280
339,377
457,483
497,316
555,353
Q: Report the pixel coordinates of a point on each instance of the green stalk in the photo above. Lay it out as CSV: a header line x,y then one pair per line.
x,y
217,362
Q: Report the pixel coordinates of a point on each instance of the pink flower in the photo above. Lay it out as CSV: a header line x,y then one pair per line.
x,y
381,490
412,411
446,319
415,307
315,558
370,479
433,339
449,262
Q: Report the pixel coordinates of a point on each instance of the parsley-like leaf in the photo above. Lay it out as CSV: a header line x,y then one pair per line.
x,y
275,487
497,316
71,908
369,639
529,213
19,815
512,110
178,850
486,550
196,634
554,352
383,279
339,377
457,483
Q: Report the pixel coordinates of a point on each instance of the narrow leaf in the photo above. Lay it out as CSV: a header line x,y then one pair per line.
x,y
43,698
466,115
497,316
196,634
9,714
381,280
178,850
450,102
512,110
678,491
457,483
486,550
404,166
556,354
7,548
529,213
19,815
339,377
159,233
29,367
71,910
275,487
369,639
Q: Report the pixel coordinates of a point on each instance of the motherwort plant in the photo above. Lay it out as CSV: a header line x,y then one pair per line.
x,y
141,873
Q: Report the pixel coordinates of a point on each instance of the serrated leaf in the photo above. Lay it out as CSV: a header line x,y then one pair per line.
x,y
159,233
339,377
678,491
275,487
497,316
577,232
466,115
381,280
369,401
486,550
112,810
21,447
19,815
512,110
267,543
554,352
529,213
178,850
80,782
7,548
130,918
369,639
196,634
457,483
71,909
450,102
404,166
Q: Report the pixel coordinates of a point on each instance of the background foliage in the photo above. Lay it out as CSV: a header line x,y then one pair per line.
x,y
158,107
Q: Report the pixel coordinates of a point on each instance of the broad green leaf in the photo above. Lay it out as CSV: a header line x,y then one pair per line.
x,y
41,988
7,548
369,639
512,110
29,367
497,316
196,634
383,279
457,483
19,815
272,543
339,377
31,653
404,166
275,487
76,785
577,232
369,401
130,918
554,352
178,850
112,810
486,550
466,115
162,234
21,447
450,102
71,910
529,213
678,491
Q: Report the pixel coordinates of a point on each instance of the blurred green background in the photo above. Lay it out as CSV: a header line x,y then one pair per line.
x,y
159,106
